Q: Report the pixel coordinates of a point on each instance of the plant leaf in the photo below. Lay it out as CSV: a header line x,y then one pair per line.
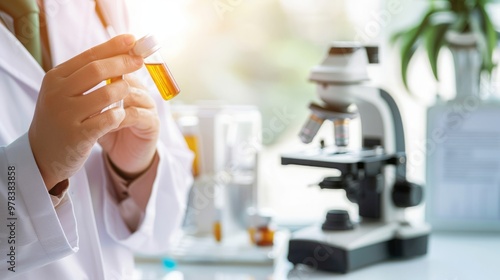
x,y
491,38
396,36
482,43
434,40
408,44
406,56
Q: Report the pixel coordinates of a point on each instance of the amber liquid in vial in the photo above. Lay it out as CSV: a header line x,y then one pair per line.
x,y
217,231
163,79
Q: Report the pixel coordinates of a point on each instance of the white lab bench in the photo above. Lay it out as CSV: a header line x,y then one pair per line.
x,y
451,256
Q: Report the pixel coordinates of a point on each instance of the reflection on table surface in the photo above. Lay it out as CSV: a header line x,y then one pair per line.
x,y
452,256
204,272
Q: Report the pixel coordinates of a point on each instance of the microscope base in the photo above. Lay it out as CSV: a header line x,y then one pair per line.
x,y
324,256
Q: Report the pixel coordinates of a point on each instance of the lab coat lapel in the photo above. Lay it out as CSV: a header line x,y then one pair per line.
x,y
26,70
66,35
116,13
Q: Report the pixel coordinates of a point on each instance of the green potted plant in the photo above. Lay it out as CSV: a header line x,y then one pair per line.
x,y
459,25
458,130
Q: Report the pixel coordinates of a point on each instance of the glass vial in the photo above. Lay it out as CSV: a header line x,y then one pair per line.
x,y
217,226
190,130
148,47
261,230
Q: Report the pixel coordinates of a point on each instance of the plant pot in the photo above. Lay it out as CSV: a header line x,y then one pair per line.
x,y
467,64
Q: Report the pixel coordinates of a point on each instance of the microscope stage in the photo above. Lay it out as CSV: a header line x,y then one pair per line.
x,y
333,158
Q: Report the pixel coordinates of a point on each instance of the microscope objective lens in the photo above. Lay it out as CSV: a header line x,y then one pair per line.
x,y
310,128
341,130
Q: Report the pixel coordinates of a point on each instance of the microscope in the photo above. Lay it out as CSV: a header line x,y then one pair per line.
x,y
373,176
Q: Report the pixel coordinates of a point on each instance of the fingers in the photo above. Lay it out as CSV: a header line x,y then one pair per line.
x,y
108,60
140,111
97,71
94,102
139,108
121,44
141,119
139,98
102,123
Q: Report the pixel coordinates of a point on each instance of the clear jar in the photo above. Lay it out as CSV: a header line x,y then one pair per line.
x,y
148,47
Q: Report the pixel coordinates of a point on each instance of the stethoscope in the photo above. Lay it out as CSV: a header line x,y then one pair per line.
x,y
100,14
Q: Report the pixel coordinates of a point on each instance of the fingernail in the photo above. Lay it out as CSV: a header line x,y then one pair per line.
x,y
129,40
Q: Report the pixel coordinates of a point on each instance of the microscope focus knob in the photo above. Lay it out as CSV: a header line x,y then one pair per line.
x,y
406,194
337,220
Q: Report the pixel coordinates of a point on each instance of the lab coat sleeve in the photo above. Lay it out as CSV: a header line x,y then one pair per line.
x,y
32,232
167,203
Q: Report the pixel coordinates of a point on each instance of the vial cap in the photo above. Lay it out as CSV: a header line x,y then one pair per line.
x,y
260,220
146,46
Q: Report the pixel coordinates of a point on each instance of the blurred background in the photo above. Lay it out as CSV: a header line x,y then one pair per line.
x,y
260,52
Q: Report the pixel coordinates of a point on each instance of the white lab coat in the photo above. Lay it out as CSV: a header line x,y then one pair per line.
x,y
85,237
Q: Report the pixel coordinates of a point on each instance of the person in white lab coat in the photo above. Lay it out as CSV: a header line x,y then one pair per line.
x,y
72,208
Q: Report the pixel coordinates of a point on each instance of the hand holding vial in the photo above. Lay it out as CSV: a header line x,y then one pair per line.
x,y
67,123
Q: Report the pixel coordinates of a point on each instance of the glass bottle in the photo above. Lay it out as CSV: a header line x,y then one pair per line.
x,y
462,147
261,230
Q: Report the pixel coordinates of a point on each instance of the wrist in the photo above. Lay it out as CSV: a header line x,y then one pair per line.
x,y
132,172
49,178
